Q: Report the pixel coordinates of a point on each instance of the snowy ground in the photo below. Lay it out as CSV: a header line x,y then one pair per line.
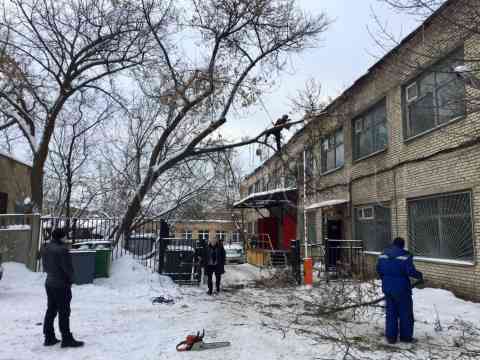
x,y
116,319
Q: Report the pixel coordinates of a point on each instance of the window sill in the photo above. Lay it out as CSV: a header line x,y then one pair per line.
x,y
444,261
370,155
328,172
377,253
414,137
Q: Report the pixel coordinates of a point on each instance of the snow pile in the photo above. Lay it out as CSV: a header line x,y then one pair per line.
x,y
117,320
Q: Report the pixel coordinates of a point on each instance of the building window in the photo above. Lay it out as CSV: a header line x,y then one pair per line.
x,y
373,226
435,97
291,173
203,235
250,190
257,186
235,236
3,202
332,152
187,234
309,161
221,235
370,133
441,226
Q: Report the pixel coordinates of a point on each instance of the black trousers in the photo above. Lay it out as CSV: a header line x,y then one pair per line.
x,y
218,278
58,303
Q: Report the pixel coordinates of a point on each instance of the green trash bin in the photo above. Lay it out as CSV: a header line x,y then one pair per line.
x,y
103,257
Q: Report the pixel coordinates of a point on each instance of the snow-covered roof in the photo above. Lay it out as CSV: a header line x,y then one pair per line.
x,y
203,221
326,203
14,158
264,193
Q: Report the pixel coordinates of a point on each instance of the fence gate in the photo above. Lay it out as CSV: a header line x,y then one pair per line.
x,y
180,259
344,257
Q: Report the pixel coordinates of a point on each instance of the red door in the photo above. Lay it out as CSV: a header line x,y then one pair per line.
x,y
289,230
269,226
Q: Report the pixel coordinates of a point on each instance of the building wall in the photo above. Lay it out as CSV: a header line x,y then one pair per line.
x,y
398,173
14,180
211,226
408,168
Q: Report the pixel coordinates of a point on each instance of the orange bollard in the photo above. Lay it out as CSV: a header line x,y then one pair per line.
x,y
308,271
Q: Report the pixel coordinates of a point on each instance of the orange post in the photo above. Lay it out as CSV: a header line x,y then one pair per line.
x,y
308,271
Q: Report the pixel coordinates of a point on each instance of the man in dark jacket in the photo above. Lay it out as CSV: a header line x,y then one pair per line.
x,y
214,263
57,263
395,267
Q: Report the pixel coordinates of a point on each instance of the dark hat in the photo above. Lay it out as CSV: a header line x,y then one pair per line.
x,y
58,234
399,242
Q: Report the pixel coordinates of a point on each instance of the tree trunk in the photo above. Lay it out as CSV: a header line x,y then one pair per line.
x,y
36,183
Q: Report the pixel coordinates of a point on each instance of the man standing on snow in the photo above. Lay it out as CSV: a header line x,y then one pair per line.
x,y
395,267
57,263
214,263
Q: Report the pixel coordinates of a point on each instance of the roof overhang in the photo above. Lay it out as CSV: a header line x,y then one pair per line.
x,y
326,203
268,199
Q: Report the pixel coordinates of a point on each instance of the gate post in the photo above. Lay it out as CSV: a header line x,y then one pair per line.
x,y
296,259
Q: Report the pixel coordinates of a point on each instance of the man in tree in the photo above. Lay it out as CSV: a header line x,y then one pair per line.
x,y
395,267
57,263
277,130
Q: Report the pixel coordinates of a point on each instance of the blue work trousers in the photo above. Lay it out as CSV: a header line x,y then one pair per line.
x,y
399,316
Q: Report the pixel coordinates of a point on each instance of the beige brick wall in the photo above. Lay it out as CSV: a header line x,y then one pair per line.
x,y
14,180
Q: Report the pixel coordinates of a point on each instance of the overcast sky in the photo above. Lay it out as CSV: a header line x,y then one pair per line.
x,y
345,53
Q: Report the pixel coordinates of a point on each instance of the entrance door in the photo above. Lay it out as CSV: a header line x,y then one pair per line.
x,y
334,232
289,230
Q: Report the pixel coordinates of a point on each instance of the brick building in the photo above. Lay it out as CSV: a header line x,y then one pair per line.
x,y
221,225
397,154
14,184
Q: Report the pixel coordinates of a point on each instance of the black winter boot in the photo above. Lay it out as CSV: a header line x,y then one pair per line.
x,y
69,341
50,341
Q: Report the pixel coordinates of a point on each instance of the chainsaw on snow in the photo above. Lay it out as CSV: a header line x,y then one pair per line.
x,y
195,343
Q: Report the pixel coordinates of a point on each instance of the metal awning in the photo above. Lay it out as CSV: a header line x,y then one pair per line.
x,y
326,203
268,199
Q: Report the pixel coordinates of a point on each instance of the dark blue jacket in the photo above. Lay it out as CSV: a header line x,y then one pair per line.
x,y
395,267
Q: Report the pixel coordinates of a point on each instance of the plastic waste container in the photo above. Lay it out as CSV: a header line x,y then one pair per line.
x,y
83,266
103,258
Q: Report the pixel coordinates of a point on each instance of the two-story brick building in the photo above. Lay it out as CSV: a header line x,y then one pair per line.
x,y
397,154
14,184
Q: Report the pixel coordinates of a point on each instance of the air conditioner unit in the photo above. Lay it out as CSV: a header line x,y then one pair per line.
x,y
366,213
411,92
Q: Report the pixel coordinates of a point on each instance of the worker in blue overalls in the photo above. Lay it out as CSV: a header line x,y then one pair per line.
x,y
395,267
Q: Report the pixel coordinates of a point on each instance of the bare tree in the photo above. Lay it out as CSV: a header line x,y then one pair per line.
x,y
238,45
71,149
57,49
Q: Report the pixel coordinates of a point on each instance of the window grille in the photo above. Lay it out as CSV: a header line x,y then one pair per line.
x,y
441,227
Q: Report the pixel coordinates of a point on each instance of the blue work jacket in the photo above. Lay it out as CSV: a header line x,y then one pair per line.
x,y
395,267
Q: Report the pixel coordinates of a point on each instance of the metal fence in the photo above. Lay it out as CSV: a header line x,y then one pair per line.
x,y
149,244
344,258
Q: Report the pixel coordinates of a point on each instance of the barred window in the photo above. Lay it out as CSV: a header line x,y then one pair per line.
x,y
441,227
203,235
373,226
370,133
235,236
221,235
332,151
187,234
435,97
